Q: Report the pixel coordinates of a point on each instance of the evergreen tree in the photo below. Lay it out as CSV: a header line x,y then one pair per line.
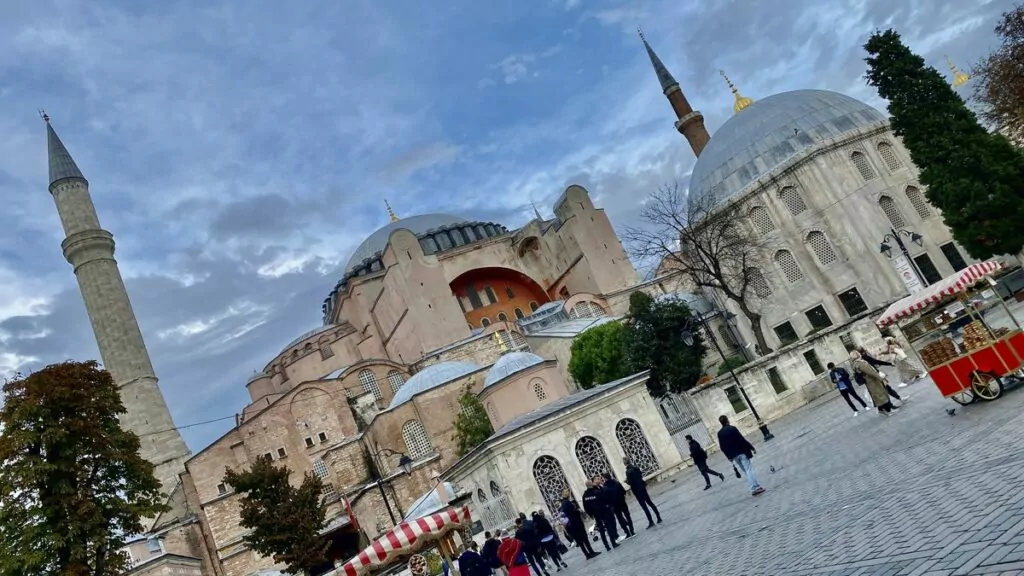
x,y
472,426
72,483
285,521
655,343
975,178
599,355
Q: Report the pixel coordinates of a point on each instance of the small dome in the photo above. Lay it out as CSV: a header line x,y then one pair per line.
x,y
510,364
431,377
771,131
418,225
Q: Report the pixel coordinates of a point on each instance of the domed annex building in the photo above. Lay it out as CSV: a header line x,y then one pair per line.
x,y
428,308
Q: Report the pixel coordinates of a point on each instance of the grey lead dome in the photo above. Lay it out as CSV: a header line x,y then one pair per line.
x,y
771,131
418,225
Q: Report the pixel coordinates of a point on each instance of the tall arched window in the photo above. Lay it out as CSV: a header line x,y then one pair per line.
x,y
592,457
485,322
502,317
790,196
863,165
822,247
790,269
416,440
892,162
519,314
917,200
396,380
481,496
369,383
635,445
538,390
551,481
321,471
758,284
533,306
891,212
760,219
495,489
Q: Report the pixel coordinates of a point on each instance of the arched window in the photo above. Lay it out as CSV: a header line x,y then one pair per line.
x,y
635,445
587,309
308,348
416,440
592,457
790,269
891,212
758,284
495,489
762,221
321,471
892,162
822,247
396,380
726,335
918,201
519,313
533,306
369,383
551,481
502,317
481,496
485,322
863,165
538,390
790,196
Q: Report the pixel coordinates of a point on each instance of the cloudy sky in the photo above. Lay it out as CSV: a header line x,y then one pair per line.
x,y
240,152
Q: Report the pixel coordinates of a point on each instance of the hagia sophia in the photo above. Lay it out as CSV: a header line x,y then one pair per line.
x,y
432,306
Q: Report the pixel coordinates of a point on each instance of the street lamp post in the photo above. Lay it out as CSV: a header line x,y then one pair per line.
x,y
687,337
916,238
404,463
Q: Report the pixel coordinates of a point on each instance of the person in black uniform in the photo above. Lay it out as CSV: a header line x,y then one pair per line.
x,y
526,533
700,460
489,554
549,540
575,527
617,496
596,504
635,479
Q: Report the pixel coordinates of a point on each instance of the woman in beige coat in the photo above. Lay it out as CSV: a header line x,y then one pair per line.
x,y
875,383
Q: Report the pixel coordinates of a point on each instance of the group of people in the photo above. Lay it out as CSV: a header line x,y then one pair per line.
x,y
867,372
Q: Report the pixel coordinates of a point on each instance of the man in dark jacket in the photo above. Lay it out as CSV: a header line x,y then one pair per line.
x,y
596,505
617,497
489,553
471,564
738,450
549,540
635,479
575,526
700,460
527,534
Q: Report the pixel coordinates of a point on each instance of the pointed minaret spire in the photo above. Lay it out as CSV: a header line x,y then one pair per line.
x,y
959,78
391,213
535,211
62,165
689,123
741,101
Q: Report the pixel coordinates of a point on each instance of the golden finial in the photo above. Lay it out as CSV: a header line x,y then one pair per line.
x,y
741,101
959,78
391,213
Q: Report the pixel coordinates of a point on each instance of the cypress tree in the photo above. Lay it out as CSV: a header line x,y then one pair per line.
x,y
974,177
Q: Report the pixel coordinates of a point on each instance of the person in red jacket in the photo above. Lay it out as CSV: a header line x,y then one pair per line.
x,y
510,552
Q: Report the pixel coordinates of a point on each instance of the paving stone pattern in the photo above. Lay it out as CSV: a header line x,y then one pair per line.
x,y
917,493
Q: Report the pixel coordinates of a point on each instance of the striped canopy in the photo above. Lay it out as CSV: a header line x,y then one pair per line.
x,y
949,285
405,539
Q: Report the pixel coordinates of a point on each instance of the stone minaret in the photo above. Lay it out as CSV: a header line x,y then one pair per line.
x,y
90,250
689,123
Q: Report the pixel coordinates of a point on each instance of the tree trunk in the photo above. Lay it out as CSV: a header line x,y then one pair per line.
x,y
755,326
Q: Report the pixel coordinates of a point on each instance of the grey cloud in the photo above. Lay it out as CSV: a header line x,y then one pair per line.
x,y
421,158
262,216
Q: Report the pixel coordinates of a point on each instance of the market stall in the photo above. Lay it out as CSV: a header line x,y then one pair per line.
x,y
964,334
405,540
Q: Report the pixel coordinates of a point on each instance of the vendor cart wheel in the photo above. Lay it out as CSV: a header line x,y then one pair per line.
x,y
986,386
964,397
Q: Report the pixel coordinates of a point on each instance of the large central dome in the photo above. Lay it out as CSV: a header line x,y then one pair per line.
x,y
376,242
769,132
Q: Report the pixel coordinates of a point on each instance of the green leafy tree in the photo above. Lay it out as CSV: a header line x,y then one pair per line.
x,y
999,78
655,343
600,355
976,178
472,426
285,521
72,483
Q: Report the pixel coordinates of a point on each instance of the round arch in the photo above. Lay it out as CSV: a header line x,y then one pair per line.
x,y
635,445
592,457
490,291
551,481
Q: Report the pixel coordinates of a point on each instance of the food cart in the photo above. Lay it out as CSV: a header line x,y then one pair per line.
x,y
403,542
963,333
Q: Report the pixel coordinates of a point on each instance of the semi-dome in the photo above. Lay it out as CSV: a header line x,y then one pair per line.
x,y
771,131
510,364
376,242
431,377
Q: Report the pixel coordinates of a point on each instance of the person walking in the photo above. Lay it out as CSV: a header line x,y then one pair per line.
x,y
617,497
877,364
700,460
526,533
596,505
841,378
635,479
510,551
739,451
575,526
489,554
905,369
875,383
549,540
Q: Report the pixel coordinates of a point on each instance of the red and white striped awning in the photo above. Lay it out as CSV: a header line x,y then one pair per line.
x,y
405,539
936,292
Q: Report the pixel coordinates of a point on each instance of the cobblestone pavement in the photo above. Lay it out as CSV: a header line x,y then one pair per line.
x,y
916,493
